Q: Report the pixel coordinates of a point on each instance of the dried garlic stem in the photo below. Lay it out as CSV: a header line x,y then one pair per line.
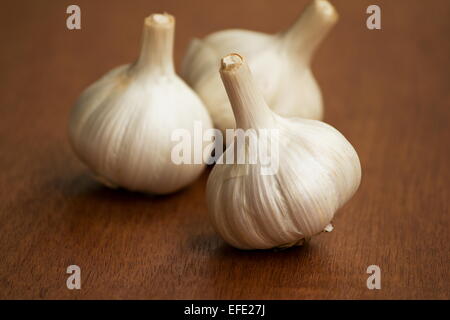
x,y
157,45
311,27
249,107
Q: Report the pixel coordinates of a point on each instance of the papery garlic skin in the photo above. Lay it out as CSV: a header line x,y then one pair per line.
x,y
121,125
318,172
280,64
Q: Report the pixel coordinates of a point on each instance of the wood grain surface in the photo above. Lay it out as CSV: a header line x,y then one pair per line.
x,y
387,91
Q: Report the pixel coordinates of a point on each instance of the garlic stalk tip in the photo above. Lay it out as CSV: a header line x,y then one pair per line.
x,y
311,27
249,108
157,45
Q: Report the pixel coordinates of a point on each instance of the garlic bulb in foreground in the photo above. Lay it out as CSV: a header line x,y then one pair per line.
x,y
316,172
280,64
121,125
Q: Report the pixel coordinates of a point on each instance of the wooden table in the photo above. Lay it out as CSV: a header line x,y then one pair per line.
x,y
387,91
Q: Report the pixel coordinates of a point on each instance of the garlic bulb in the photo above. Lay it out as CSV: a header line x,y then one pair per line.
x,y
121,125
318,171
280,64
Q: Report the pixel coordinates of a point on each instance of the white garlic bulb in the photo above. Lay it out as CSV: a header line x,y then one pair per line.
x,y
318,171
280,64
121,125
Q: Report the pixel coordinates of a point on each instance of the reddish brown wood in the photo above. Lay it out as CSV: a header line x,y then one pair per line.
x,y
387,91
